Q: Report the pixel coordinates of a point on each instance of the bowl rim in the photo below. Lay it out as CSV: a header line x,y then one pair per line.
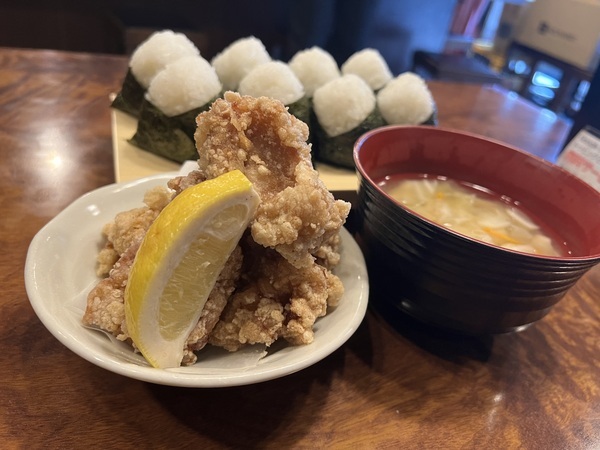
x,y
386,128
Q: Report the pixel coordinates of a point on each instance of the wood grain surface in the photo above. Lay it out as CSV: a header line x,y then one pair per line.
x,y
394,384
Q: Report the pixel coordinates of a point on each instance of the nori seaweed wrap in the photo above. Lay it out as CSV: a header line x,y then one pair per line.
x,y
130,97
301,109
176,96
169,137
338,150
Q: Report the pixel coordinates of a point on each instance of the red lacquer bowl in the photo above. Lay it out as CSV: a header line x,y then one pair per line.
x,y
448,279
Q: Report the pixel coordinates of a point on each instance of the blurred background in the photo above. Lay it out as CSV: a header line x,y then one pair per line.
x,y
546,51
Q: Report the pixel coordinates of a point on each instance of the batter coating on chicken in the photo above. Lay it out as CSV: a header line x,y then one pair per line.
x,y
105,305
279,280
281,293
275,300
129,227
297,213
124,235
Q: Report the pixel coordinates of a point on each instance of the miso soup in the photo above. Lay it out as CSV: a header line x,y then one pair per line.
x,y
473,211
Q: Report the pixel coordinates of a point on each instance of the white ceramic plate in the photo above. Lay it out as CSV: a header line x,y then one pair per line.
x,y
132,163
60,271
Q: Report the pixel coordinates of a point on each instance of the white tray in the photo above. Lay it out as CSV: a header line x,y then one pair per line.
x,y
132,162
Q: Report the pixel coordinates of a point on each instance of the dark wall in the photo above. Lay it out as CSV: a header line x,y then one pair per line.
x,y
589,114
395,27
75,25
405,26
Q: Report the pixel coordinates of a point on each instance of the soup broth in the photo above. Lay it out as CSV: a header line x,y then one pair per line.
x,y
473,211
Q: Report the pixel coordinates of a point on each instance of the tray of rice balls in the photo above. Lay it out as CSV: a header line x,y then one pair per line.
x,y
168,83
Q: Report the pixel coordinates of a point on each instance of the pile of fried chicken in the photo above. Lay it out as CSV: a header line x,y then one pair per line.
x,y
279,279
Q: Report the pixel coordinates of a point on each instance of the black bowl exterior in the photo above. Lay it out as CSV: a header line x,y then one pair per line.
x,y
450,280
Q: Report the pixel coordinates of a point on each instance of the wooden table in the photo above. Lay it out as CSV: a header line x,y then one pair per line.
x,y
394,384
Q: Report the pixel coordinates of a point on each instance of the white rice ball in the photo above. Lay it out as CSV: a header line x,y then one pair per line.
x,y
314,67
273,79
406,100
238,59
160,49
370,66
343,103
183,85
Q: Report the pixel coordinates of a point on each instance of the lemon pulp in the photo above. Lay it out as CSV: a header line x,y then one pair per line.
x,y
179,261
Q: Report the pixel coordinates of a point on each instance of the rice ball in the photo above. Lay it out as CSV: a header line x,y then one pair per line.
x,y
314,67
343,103
160,49
273,79
370,66
183,85
238,59
406,100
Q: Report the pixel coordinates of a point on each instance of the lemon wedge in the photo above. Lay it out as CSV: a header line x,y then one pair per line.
x,y
179,261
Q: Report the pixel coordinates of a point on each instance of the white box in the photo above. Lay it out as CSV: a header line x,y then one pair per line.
x,y
508,25
581,157
568,30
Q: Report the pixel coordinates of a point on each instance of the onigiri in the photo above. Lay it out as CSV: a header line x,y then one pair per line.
x,y
273,79
160,49
370,66
343,103
238,59
314,67
175,97
345,108
183,85
406,100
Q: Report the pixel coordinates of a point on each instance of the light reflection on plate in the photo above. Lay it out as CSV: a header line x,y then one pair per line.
x,y
60,271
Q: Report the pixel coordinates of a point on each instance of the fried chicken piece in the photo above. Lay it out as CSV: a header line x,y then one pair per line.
x,y
106,302
286,282
214,306
328,254
129,227
180,183
275,300
258,136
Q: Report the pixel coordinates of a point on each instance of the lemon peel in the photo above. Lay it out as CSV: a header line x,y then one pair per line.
x,y
179,261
